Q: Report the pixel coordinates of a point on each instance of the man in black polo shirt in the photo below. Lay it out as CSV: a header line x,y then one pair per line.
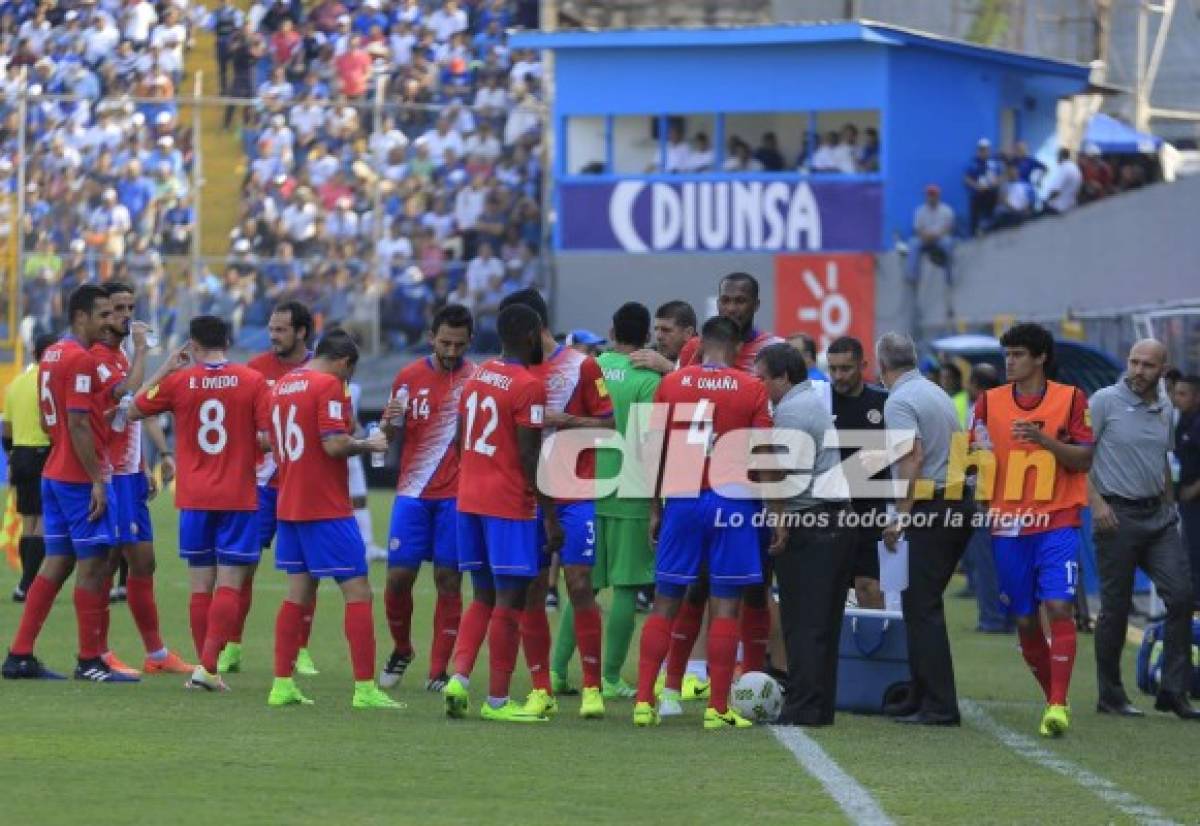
x,y
1186,396
859,406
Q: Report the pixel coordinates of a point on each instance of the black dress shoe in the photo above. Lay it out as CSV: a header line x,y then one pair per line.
x,y
928,718
1121,709
1178,705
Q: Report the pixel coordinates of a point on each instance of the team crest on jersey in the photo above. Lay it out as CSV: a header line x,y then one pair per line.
x,y
874,416
1087,416
557,381
601,388
335,410
152,392
536,414
83,384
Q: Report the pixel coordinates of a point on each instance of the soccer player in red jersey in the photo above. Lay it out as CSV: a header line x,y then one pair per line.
x,y
576,397
221,418
501,415
318,537
710,526
423,415
77,493
290,328
132,483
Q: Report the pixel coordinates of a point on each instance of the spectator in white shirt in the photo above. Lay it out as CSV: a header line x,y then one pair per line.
x,y
491,101
100,40
441,138
523,119
469,203
483,144
395,244
482,269
525,64
401,43
447,21
832,155
741,157
933,235
701,157
679,154
139,18
342,223
170,36
307,120
1062,184
385,140
299,221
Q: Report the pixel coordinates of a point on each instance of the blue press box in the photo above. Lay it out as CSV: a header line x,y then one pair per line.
x,y
872,660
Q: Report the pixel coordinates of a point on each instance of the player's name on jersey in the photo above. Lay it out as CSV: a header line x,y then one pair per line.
x,y
287,388
212,382
712,382
497,380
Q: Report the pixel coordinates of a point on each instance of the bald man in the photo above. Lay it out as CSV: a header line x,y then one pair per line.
x,y
1135,524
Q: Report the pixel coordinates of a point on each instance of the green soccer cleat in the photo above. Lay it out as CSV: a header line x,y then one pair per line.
x,y
620,690
541,703
369,695
1055,721
670,704
285,693
230,659
694,688
645,715
714,720
305,666
457,699
560,686
510,712
592,705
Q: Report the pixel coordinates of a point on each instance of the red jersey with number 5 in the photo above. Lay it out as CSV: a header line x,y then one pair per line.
x,y
69,380
500,397
707,402
429,453
219,411
306,407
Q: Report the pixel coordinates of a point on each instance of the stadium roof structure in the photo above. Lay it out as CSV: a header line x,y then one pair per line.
x,y
864,31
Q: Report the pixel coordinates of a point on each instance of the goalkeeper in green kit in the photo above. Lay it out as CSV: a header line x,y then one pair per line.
x,y
624,559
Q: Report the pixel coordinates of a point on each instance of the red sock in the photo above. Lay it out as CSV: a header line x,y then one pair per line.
x,y
245,600
756,633
656,641
306,622
587,637
360,633
399,608
198,609
535,637
471,631
222,616
39,599
90,608
287,637
447,614
1062,659
723,636
684,632
139,591
1037,655
106,618
504,638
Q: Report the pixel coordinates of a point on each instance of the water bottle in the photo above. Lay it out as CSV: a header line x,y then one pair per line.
x,y
402,397
377,459
121,418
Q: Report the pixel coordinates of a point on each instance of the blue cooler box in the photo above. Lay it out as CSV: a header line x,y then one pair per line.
x,y
872,661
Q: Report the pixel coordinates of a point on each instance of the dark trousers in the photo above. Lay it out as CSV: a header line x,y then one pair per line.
x,y
813,574
224,65
1146,537
982,205
1189,512
933,555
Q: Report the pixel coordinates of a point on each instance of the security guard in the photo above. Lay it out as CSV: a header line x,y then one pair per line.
x,y
27,447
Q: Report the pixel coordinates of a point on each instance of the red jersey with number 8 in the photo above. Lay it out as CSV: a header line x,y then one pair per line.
x,y
219,411
306,407
501,396
68,380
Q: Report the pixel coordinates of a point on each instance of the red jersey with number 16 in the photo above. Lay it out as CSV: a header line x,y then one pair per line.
x,y
429,453
307,406
219,411
500,397
272,369
69,380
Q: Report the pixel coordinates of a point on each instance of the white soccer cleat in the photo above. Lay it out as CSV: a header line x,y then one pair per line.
x,y
376,553
670,705
203,680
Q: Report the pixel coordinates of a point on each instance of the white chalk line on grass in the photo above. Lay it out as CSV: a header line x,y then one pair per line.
x,y
850,795
1028,748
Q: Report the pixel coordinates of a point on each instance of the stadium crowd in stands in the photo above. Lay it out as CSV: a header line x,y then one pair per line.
x,y
836,152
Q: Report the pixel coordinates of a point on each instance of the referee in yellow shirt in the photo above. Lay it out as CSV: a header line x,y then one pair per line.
x,y
27,446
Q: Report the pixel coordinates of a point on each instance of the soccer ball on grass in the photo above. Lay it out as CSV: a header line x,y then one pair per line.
x,y
756,696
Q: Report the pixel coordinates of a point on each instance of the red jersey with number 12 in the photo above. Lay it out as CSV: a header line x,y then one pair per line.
x,y
499,398
307,406
68,379
219,411
429,453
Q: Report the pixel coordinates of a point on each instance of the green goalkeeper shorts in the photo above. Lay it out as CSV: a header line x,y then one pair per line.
x,y
623,554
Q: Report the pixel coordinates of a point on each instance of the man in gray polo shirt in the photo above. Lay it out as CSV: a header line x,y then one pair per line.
x,y
1135,523
814,554
940,528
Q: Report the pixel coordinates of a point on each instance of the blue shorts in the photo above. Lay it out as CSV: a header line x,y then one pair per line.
x,y
1036,567
133,509
322,548
423,530
502,546
578,520
68,531
208,538
710,532
267,499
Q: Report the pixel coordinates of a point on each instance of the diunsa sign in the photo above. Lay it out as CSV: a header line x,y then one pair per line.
x,y
721,215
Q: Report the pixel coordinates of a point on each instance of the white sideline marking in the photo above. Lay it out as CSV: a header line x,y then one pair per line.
x,y
1028,748
848,793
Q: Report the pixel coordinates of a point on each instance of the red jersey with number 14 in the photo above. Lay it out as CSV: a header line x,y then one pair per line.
x,y
306,407
429,453
68,380
125,446
219,411
499,398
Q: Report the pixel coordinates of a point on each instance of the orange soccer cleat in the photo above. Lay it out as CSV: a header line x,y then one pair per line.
x,y
170,664
114,664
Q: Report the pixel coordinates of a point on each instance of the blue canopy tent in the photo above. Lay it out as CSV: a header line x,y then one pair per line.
x,y
1112,137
